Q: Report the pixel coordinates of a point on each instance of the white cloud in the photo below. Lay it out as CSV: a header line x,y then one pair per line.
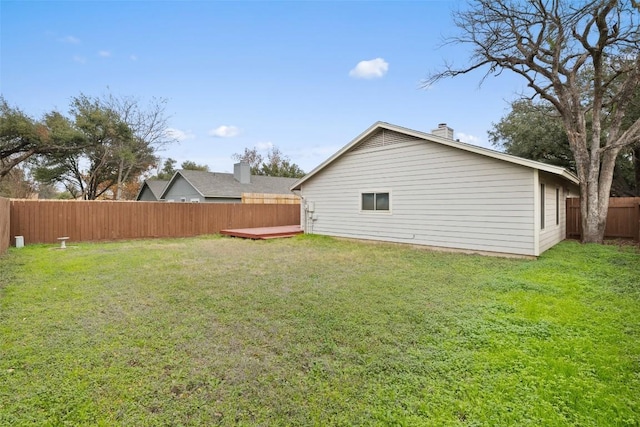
x,y
264,146
70,39
79,59
225,132
104,53
374,68
469,139
179,135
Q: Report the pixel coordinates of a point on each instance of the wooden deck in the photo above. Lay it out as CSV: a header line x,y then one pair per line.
x,y
263,233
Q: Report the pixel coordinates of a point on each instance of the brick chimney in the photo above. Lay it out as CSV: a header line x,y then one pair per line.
x,y
443,131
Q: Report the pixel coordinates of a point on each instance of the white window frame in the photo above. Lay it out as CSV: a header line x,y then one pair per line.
x,y
195,200
374,211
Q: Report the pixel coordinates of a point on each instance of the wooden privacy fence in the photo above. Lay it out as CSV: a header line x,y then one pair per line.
x,y
264,198
5,223
43,221
623,219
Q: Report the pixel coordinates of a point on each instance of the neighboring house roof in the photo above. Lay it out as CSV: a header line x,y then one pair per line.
x,y
557,170
156,186
216,184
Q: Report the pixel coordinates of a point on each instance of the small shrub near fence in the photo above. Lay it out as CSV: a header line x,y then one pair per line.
x,y
5,224
43,221
623,218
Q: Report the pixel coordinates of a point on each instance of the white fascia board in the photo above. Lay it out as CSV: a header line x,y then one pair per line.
x,y
144,184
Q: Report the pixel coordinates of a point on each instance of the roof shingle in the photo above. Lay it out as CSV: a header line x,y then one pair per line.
x,y
217,184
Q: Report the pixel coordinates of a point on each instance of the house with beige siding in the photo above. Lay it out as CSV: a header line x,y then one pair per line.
x,y
399,185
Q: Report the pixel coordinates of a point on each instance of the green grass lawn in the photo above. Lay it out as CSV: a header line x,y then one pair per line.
x,y
317,331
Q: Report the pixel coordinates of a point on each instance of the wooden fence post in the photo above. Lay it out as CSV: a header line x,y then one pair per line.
x,y
5,225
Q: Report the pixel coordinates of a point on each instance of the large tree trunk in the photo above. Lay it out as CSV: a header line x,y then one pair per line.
x,y
594,196
593,222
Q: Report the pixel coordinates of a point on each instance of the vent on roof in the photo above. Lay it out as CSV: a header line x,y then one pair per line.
x,y
443,131
242,173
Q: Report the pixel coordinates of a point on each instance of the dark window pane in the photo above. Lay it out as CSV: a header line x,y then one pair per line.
x,y
557,206
542,207
367,201
382,201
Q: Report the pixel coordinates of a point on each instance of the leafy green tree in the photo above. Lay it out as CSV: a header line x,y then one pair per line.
x,y
276,163
94,171
193,166
121,142
552,45
534,130
252,157
16,184
169,168
167,171
23,138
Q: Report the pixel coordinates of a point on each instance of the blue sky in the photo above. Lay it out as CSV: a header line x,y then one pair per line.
x,y
307,77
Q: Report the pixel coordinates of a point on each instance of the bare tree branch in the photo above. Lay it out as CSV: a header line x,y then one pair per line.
x,y
554,45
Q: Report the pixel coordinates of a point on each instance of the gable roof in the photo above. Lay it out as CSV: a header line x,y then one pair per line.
x,y
556,170
217,184
156,186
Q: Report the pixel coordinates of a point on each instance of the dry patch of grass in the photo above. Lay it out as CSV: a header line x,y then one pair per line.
x,y
314,331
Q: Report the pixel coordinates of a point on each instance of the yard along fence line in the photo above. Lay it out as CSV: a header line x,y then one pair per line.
x,y
5,224
44,221
623,218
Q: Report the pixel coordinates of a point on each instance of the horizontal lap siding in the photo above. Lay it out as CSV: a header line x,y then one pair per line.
x,y
553,232
43,221
181,188
147,195
440,196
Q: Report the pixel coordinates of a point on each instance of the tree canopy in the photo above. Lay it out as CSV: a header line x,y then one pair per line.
x,y
167,170
23,137
100,148
553,45
533,130
121,140
276,163
190,165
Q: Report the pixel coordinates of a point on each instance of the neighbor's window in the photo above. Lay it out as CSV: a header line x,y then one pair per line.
x,y
542,196
375,201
